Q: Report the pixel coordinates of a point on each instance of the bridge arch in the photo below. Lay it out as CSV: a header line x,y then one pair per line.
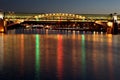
x,y
57,17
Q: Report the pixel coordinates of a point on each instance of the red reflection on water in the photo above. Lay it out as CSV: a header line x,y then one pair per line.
x,y
60,58
110,58
22,55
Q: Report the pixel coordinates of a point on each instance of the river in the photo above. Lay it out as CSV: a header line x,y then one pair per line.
x,y
57,56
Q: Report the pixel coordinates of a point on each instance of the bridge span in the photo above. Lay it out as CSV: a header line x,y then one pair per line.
x,y
59,20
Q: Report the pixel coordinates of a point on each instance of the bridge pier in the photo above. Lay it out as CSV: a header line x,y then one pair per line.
x,y
115,28
115,24
1,22
3,28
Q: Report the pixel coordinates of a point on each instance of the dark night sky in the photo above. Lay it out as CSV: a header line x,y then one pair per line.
x,y
66,6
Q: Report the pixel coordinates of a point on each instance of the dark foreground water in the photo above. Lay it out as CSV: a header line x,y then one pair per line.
x,y
59,56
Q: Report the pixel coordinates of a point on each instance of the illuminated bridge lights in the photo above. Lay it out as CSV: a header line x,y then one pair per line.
x,y
1,30
59,16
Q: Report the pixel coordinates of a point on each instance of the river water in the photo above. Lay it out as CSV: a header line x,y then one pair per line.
x,y
74,56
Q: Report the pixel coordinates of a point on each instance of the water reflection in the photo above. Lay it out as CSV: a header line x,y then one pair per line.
x,y
95,58
1,52
110,58
37,58
59,57
46,55
22,56
83,58
74,57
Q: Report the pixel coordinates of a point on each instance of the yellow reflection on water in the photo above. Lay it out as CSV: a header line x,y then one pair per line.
x,y
22,55
109,38
110,58
1,51
94,57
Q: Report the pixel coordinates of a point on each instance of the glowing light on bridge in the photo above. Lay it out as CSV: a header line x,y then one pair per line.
x,y
118,22
115,17
57,17
1,30
46,14
98,22
66,14
110,24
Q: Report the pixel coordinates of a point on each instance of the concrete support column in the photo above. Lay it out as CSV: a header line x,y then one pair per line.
x,y
115,28
115,24
5,27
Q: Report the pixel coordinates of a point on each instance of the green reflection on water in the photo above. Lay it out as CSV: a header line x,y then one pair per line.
x,y
37,58
83,58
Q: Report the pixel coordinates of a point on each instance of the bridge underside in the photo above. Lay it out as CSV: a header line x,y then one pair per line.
x,y
64,24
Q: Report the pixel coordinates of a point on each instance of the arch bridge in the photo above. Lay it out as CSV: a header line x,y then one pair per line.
x,y
58,19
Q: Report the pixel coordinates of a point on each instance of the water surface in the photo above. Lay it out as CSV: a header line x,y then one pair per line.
x,y
59,57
